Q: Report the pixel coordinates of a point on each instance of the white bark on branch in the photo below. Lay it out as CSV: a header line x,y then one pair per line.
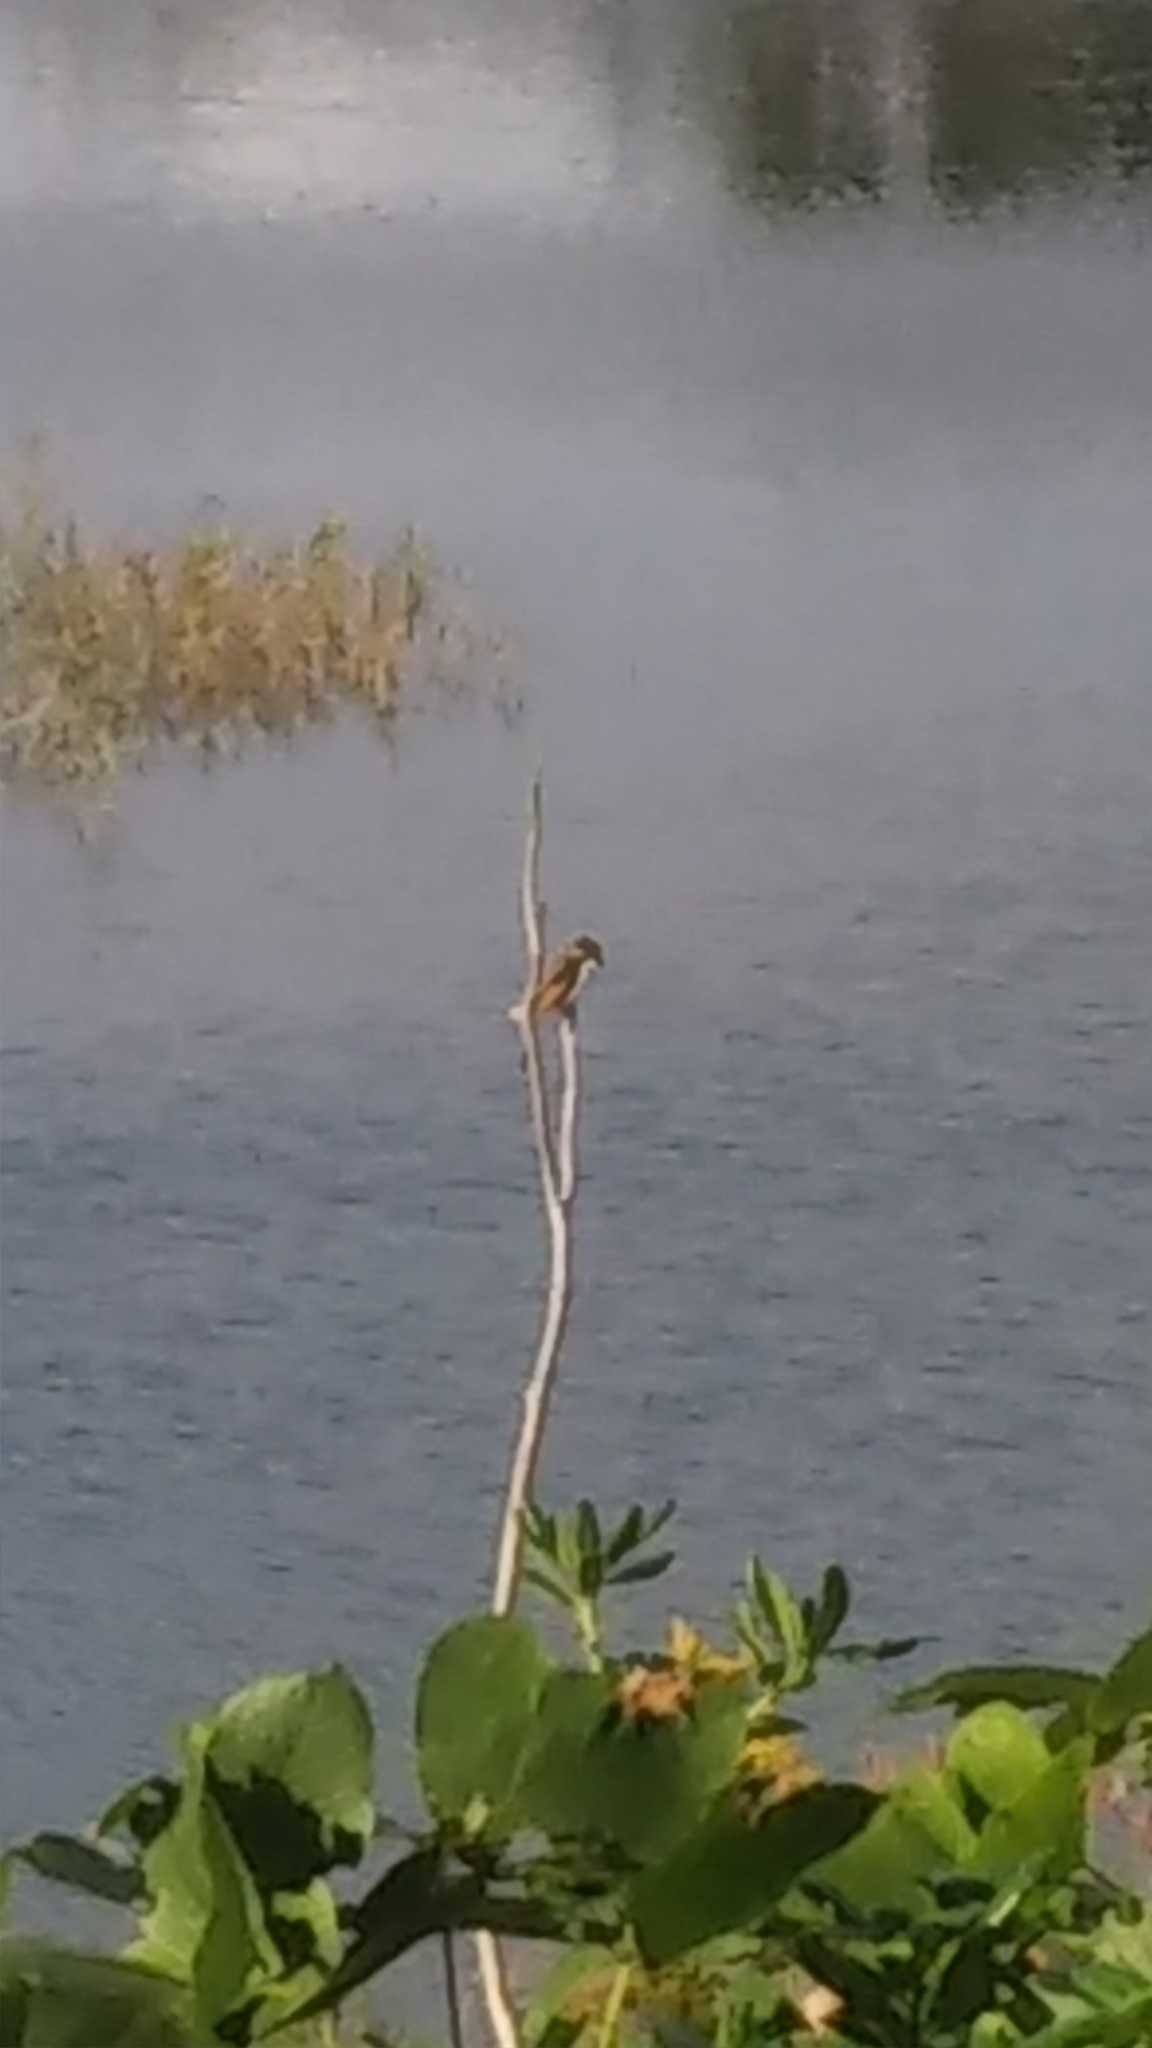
x,y
558,1168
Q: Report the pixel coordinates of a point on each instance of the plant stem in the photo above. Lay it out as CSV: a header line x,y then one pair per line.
x,y
558,1173
613,2007
586,1615
558,1178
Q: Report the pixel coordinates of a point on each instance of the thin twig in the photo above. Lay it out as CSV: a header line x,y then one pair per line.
x,y
451,1988
558,1170
496,1988
613,2006
558,1191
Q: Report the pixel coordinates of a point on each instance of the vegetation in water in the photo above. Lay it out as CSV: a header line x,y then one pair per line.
x,y
108,650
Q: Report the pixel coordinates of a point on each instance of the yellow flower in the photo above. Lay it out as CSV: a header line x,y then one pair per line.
x,y
665,1687
688,1651
769,1770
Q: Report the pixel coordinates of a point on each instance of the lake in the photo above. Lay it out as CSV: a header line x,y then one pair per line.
x,y
781,384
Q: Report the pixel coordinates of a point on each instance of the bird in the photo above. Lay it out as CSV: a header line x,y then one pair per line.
x,y
563,980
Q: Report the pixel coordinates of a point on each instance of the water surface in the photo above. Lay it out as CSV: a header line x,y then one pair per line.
x,y
802,437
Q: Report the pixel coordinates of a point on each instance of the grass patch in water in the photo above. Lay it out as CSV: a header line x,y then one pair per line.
x,y
108,650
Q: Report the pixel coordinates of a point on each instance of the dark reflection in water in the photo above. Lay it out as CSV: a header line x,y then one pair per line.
x,y
824,533
968,100
784,101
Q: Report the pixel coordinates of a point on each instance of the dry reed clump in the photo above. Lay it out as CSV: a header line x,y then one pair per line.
x,y
106,650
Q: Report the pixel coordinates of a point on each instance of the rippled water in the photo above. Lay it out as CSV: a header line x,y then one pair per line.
x,y
822,529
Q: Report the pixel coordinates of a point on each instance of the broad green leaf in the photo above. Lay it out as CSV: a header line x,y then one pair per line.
x,y
305,1927
68,1859
291,1763
1126,1690
60,1998
727,1873
235,1955
1044,1828
1022,1685
475,1714
176,1875
641,1784
205,1925
916,1833
312,1919
999,1751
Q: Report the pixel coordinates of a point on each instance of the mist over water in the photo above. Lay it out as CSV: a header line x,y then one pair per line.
x,y
781,380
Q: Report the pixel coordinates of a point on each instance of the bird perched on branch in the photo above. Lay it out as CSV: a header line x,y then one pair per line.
x,y
562,982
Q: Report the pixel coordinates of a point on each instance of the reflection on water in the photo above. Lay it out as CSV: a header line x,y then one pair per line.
x,y
481,103
823,532
966,102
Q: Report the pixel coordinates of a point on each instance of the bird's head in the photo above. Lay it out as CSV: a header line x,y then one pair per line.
x,y
588,949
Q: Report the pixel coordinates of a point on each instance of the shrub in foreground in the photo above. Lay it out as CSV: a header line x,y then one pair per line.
x,y
655,1814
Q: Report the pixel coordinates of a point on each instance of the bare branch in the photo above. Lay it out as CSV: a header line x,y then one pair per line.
x,y
569,1112
497,1991
558,1191
558,1181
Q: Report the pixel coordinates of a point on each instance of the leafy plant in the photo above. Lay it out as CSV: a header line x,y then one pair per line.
x,y
574,1561
647,1811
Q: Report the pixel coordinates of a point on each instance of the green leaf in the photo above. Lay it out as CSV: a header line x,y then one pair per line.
x,y
644,1568
235,1955
475,1714
53,1997
587,1528
1131,2028
1126,1690
628,1534
176,1875
540,1530
142,1810
782,1612
881,1652
916,1833
641,1784
999,1751
1042,1830
291,1764
832,1610
546,1582
728,1873
205,1926
1022,1685
68,1859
